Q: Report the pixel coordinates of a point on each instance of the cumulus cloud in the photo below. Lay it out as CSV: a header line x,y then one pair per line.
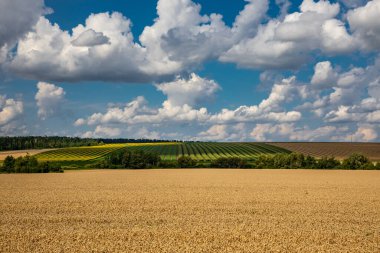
x,y
364,133
144,133
10,109
118,115
292,132
289,43
181,39
181,103
365,24
49,98
102,132
190,91
270,109
104,47
224,132
215,133
353,3
335,39
344,97
48,54
90,38
182,96
321,7
16,19
324,75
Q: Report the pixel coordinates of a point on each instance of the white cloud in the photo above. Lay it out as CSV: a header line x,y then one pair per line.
x,y
17,17
263,51
292,132
118,115
215,133
354,95
48,54
324,75
190,91
104,48
10,109
183,96
270,109
144,133
289,43
181,39
363,133
341,115
365,23
247,21
335,38
102,132
90,38
323,7
353,3
374,116
49,98
224,132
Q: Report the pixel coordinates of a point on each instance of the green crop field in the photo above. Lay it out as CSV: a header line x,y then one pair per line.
x,y
79,153
169,151
207,151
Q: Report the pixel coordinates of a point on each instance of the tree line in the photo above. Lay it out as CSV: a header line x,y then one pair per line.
x,y
141,159
127,159
300,161
42,142
27,164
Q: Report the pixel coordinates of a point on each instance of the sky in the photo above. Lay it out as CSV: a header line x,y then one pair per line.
x,y
215,70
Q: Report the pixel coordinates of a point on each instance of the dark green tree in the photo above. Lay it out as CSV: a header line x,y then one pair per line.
x,y
356,161
186,162
264,162
310,162
327,163
9,164
229,162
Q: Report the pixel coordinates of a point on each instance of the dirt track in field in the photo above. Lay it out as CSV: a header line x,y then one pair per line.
x,y
18,153
339,150
210,210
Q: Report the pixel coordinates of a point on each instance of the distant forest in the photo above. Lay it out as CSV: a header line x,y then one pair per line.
x,y
41,142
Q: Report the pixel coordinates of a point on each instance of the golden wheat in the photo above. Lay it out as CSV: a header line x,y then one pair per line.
x,y
191,211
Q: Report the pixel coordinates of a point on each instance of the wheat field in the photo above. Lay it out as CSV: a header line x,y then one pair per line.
x,y
191,211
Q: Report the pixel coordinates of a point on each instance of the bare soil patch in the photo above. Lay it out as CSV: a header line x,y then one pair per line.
x,y
339,150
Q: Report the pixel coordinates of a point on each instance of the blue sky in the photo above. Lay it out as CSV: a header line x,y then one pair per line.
x,y
218,70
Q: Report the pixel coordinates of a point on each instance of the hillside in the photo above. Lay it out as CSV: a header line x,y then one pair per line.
x,y
339,150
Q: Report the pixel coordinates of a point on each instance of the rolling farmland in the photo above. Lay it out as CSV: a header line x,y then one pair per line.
x,y
200,151
339,150
207,151
79,153
18,153
191,211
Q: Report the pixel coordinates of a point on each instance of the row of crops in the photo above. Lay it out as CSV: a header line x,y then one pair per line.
x,y
207,151
79,153
201,151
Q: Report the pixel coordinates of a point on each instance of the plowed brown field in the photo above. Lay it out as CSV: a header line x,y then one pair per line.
x,y
191,211
340,150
